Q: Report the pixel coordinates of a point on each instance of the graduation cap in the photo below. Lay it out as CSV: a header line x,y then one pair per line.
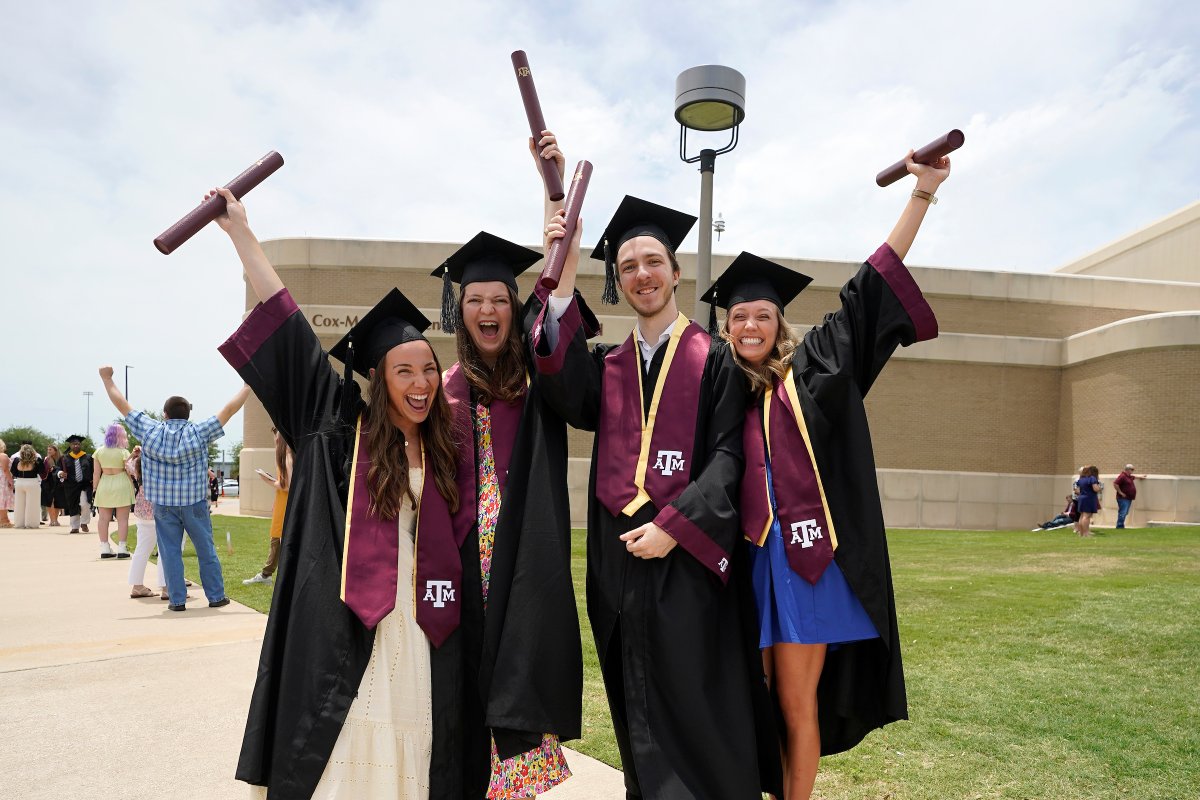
x,y
637,217
75,437
394,320
752,278
484,258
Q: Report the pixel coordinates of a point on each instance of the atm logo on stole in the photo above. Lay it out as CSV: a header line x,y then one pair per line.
x,y
669,461
439,593
804,532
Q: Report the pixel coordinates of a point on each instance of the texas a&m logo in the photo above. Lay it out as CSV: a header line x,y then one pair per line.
x,y
805,531
439,593
669,461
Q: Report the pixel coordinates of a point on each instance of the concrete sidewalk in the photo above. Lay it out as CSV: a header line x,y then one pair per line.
x,y
102,696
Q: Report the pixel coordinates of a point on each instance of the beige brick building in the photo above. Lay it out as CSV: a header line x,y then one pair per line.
x,y
1032,375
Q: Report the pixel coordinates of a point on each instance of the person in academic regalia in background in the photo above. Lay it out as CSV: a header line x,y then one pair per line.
x,y
665,598
75,470
513,500
809,499
360,684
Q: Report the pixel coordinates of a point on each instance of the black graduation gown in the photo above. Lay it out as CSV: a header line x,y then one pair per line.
x,y
315,650
72,487
677,650
862,683
531,667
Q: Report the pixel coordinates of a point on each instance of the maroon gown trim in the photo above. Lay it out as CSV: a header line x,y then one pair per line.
x,y
695,541
568,323
263,320
904,286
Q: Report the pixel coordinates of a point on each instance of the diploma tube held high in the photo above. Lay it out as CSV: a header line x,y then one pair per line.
x,y
556,256
537,123
214,206
929,154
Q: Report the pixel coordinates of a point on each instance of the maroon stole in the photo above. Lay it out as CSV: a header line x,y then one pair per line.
x,y
804,518
506,420
371,551
648,458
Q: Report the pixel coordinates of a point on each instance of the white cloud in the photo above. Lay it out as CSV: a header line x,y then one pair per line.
x,y
402,121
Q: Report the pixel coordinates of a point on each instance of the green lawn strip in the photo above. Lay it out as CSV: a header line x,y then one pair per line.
x,y
1038,665
250,545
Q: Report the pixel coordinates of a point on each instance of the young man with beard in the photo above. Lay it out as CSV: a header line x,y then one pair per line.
x,y
667,604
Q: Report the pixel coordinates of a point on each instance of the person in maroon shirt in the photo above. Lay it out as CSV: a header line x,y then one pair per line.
x,y
1126,492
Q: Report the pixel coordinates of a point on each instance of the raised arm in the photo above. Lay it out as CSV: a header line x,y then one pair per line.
x,y
929,178
547,148
114,394
233,406
262,276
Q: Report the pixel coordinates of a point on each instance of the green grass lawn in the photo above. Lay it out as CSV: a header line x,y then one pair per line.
x,y
1039,665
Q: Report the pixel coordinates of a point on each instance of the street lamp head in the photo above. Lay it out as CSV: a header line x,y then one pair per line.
x,y
710,98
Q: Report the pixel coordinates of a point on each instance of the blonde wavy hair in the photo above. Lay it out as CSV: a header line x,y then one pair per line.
x,y
762,377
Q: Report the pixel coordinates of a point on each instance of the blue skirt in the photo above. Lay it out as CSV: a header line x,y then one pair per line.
x,y
792,610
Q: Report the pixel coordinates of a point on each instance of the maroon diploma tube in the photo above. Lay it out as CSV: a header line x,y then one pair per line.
x,y
928,154
537,123
214,206
556,256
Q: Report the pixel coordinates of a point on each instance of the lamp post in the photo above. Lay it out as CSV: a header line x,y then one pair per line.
x,y
127,368
87,430
708,98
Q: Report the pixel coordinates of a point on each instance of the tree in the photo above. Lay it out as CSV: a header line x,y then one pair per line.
x,y
20,433
235,468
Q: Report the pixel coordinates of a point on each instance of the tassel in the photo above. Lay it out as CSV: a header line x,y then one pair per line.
x,y
347,383
609,296
713,330
449,304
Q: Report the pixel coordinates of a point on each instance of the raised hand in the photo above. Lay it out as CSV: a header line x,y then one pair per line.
x,y
235,212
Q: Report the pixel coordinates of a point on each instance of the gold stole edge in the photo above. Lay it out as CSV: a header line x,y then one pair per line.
x,y
789,386
350,505
766,531
416,526
647,420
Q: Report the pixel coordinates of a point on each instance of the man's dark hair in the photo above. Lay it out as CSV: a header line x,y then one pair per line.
x,y
177,407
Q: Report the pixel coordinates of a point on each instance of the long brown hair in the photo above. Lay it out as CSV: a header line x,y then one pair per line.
x,y
281,459
387,480
762,377
506,381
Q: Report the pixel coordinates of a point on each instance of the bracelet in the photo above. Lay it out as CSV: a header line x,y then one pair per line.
x,y
923,195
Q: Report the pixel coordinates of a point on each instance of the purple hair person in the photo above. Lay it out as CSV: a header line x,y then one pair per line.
x,y
115,436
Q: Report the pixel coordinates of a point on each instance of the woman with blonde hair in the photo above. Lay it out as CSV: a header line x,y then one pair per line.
x,y
810,505
6,485
27,482
112,489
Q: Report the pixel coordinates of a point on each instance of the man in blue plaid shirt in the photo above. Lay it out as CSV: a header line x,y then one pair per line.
x,y
175,471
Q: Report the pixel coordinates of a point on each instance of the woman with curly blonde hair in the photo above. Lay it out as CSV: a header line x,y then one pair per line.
x,y
809,499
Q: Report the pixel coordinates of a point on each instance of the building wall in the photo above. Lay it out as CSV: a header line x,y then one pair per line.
x,y
1032,376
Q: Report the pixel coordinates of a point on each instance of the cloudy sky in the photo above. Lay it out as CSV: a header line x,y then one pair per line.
x,y
402,121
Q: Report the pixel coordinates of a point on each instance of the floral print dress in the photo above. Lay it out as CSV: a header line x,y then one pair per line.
x,y
544,767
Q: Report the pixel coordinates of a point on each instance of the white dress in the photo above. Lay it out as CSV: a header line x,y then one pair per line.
x,y
386,743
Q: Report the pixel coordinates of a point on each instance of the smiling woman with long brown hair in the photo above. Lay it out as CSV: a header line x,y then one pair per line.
x,y
360,688
512,481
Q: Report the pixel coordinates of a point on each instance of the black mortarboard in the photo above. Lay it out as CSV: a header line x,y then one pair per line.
x,y
752,278
394,320
637,217
75,437
484,258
